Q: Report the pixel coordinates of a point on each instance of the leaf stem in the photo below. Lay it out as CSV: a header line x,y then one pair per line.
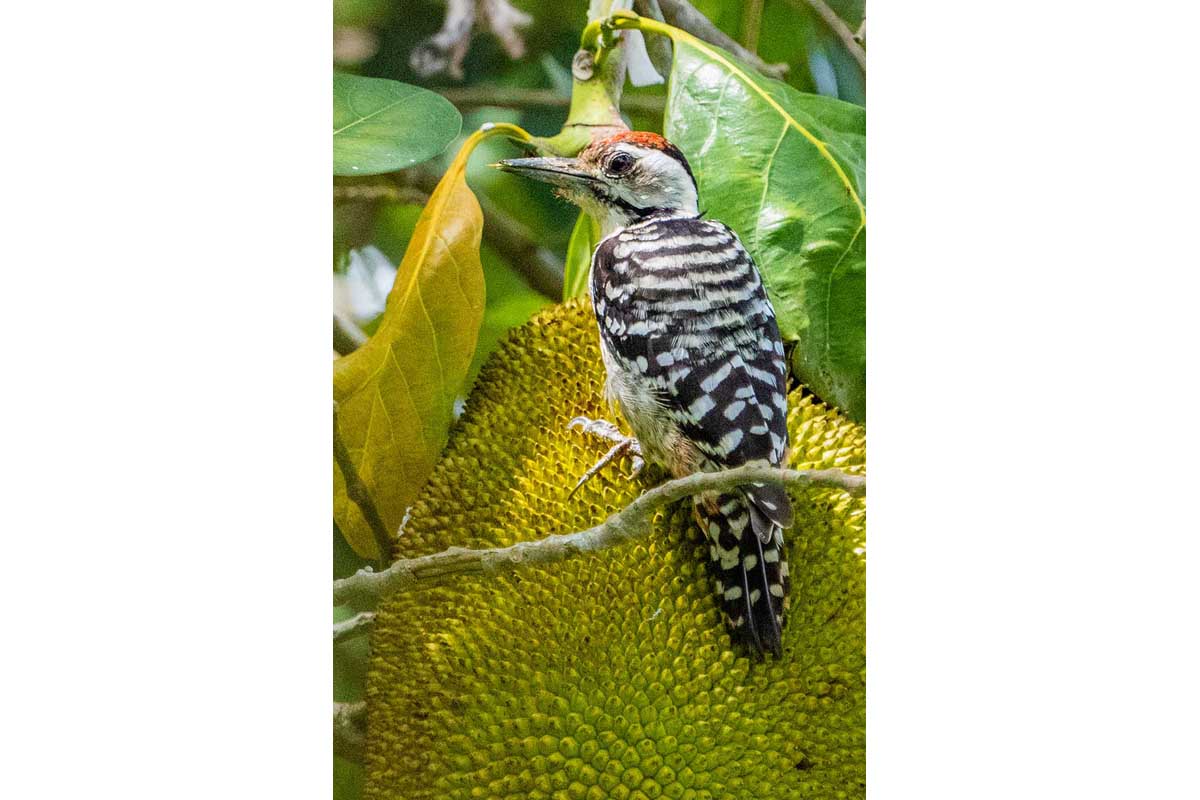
x,y
490,129
679,15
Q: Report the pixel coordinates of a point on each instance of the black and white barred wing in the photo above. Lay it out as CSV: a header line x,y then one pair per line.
x,y
681,304
682,309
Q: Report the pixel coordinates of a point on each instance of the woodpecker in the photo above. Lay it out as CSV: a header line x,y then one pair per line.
x,y
693,357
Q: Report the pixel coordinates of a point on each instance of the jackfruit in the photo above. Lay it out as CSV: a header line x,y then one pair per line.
x,y
610,674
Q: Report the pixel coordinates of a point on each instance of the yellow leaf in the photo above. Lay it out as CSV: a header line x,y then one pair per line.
x,y
396,393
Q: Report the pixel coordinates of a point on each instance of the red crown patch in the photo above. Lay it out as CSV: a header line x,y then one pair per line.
x,y
642,139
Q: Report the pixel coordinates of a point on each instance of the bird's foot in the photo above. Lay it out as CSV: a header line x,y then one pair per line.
x,y
624,445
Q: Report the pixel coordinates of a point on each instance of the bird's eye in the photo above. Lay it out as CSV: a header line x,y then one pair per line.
x,y
620,164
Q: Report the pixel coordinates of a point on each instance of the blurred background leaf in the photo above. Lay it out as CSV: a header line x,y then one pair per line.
x,y
382,126
584,239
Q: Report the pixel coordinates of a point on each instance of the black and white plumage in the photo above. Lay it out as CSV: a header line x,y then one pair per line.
x,y
696,365
693,355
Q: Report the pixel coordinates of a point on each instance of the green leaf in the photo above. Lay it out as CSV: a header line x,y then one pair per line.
x,y
584,238
786,170
396,393
382,126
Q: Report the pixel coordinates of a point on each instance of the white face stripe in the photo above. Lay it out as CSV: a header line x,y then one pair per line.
x,y
656,181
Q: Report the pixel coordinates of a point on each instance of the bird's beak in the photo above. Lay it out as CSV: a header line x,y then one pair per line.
x,y
566,173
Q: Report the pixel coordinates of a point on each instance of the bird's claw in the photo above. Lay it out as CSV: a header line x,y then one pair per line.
x,y
624,445
598,427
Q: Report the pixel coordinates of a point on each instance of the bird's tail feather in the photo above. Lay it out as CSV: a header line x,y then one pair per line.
x,y
749,569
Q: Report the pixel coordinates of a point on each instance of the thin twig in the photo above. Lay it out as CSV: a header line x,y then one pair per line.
x,y
349,628
683,14
839,27
347,336
349,730
374,192
364,588
357,491
506,97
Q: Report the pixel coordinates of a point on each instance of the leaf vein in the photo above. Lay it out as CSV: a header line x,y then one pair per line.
x,y
788,118
366,117
437,349
829,288
408,394
766,179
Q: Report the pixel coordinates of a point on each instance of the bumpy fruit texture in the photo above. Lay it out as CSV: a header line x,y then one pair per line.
x,y
609,675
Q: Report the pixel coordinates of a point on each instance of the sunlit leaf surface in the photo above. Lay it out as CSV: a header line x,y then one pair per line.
x,y
786,170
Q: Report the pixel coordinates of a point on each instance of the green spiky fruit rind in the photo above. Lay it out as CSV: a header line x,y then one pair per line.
x,y
609,675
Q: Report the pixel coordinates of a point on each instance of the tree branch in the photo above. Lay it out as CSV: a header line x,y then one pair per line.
x,y
683,14
839,27
507,97
375,192
349,628
357,491
364,588
349,730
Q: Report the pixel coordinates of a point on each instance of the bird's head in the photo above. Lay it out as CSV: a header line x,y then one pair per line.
x,y
620,179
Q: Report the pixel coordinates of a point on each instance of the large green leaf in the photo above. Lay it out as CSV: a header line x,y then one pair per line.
x,y
382,126
786,170
396,393
584,238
